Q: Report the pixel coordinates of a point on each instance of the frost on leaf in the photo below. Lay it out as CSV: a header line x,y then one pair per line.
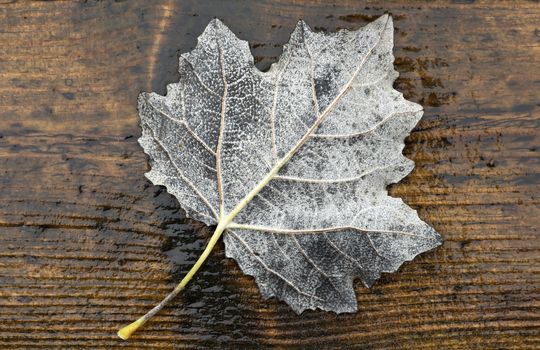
x,y
293,162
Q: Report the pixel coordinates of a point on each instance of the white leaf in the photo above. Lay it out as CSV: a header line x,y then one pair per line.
x,y
292,163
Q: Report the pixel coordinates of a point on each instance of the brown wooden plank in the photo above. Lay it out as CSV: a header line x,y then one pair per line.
x,y
88,244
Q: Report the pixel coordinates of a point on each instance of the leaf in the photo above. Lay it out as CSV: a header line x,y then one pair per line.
x,y
292,164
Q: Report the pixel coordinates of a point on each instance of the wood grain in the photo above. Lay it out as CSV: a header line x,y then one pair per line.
x,y
87,244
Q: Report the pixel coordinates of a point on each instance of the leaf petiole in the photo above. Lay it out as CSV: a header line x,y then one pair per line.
x,y
127,331
224,222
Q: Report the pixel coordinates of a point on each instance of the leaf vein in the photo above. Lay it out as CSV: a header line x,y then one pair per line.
x,y
269,269
320,230
182,176
185,125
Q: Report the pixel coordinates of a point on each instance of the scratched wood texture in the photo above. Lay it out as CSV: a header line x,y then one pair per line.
x,y
88,244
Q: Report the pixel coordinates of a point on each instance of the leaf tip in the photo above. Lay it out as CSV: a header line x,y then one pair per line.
x,y
385,21
385,18
216,22
301,24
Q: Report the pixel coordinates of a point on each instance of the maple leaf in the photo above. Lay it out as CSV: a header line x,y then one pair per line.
x,y
291,164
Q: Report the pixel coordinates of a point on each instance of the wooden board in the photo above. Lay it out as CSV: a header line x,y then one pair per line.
x,y
88,244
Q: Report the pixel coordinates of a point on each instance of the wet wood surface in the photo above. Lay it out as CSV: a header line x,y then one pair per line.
x,y
88,244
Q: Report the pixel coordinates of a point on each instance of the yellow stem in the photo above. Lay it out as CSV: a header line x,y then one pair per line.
x,y
128,330
224,221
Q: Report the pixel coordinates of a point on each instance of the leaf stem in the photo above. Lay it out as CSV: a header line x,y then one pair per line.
x,y
128,330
